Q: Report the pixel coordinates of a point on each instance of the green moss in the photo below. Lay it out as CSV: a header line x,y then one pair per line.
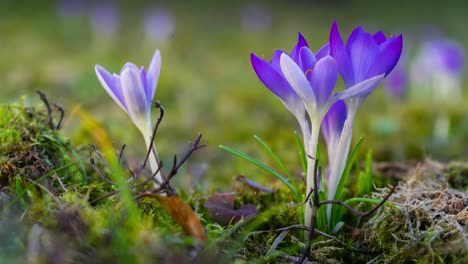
x,y
428,225
457,174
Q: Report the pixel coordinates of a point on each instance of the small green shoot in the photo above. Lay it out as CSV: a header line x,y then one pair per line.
x,y
264,167
279,162
302,154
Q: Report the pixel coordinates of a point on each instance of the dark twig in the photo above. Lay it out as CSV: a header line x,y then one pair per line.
x,y
152,177
153,136
315,206
49,110
99,173
194,146
93,202
62,114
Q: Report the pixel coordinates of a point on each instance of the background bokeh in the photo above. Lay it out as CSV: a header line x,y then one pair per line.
x,y
207,83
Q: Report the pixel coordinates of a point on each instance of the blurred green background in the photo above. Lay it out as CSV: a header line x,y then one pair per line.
x,y
207,83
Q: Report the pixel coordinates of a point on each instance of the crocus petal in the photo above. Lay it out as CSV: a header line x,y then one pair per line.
x,y
298,81
361,89
301,42
338,52
323,51
379,37
275,61
107,81
307,60
353,36
153,74
388,57
332,126
271,78
363,52
323,79
128,65
135,97
144,81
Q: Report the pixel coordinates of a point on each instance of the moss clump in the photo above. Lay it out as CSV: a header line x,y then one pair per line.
x,y
428,224
30,149
457,174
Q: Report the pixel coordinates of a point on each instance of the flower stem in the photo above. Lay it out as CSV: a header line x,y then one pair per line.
x,y
311,161
153,160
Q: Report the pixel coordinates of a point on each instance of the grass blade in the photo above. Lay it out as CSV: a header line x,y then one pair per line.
x,y
365,177
279,162
302,154
264,167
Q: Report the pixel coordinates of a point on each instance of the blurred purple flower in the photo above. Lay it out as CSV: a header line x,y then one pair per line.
x,y
438,58
397,82
133,90
105,18
158,24
70,8
255,18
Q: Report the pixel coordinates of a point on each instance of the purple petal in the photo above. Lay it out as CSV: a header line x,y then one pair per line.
x,y
107,81
301,42
379,37
388,57
275,61
128,65
307,60
361,89
323,51
363,52
353,36
153,75
333,122
323,79
298,81
144,81
338,52
135,96
272,79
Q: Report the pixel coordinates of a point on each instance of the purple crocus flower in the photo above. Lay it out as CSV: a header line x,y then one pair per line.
x,y
365,55
133,90
269,72
363,63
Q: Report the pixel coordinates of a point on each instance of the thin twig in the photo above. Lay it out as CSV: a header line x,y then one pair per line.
x,y
99,173
49,110
151,178
104,196
315,206
153,136
62,114
194,146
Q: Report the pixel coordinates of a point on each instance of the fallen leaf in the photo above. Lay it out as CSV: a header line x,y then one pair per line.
x,y
221,208
183,215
